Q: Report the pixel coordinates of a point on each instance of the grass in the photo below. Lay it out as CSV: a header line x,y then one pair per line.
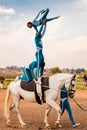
x,y
79,83
7,81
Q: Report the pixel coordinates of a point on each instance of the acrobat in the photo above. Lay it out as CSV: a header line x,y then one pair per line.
x,y
41,20
39,63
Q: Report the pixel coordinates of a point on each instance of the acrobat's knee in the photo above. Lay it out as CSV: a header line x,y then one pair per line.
x,y
42,64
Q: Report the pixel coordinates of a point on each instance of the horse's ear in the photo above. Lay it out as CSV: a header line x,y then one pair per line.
x,y
74,76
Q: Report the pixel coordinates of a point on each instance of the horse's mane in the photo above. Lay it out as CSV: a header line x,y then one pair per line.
x,y
62,76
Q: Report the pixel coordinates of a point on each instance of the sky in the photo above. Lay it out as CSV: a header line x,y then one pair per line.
x,y
65,40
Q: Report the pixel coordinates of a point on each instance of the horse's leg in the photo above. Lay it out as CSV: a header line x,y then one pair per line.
x,y
53,104
6,106
12,105
46,115
17,102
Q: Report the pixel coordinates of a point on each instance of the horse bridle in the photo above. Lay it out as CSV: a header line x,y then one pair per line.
x,y
71,91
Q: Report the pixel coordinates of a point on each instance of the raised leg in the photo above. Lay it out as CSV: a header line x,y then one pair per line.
x,y
53,104
46,115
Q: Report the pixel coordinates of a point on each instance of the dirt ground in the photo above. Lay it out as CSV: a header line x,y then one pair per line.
x,y
33,114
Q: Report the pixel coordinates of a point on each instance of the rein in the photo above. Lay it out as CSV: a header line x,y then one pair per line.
x,y
44,86
79,105
53,88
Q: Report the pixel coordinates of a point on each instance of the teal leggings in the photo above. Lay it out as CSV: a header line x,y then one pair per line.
x,y
65,105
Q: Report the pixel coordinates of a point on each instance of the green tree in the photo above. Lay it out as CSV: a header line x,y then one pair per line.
x,y
56,70
80,70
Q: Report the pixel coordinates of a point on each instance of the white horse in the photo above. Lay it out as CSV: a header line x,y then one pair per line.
x,y
55,83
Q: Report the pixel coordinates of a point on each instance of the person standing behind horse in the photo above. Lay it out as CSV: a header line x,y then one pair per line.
x,y
65,105
85,80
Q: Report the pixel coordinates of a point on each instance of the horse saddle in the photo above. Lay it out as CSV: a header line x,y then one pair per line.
x,y
31,86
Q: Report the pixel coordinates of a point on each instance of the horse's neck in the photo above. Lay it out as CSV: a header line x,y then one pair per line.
x,y
62,76
58,80
54,81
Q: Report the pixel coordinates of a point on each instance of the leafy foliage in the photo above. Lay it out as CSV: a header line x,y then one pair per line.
x,y
56,70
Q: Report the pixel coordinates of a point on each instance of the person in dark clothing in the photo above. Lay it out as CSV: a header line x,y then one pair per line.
x,y
85,80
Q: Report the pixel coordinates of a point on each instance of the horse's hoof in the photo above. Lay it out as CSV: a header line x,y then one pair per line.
x,y
47,126
23,125
8,123
60,126
57,124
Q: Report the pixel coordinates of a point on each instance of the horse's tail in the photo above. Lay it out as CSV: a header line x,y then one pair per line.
x,y
16,79
6,107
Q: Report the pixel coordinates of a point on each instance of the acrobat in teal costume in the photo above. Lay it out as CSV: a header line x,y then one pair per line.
x,y
39,50
39,34
39,63
28,73
64,103
43,19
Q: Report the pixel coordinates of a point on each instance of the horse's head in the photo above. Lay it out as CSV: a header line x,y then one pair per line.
x,y
72,86
70,82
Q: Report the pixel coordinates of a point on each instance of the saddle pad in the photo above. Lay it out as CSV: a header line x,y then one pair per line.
x,y
31,86
28,86
45,83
